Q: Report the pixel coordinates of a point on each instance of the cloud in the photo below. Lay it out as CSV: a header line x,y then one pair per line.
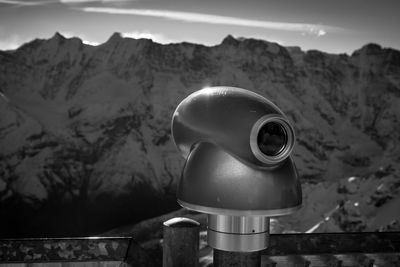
x,y
90,1
161,38
156,37
90,42
83,37
321,32
12,42
77,1
314,29
25,2
45,2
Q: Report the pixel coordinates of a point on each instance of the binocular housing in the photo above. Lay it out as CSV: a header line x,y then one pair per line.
x,y
238,168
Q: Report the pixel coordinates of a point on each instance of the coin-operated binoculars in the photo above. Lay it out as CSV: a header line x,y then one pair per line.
x,y
238,169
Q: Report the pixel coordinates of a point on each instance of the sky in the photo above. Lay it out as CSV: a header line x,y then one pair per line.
x,y
334,26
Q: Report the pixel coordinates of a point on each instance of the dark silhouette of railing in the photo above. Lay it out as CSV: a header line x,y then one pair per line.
x,y
93,251
330,249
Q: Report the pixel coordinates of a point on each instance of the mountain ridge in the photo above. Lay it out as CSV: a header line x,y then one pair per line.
x,y
84,123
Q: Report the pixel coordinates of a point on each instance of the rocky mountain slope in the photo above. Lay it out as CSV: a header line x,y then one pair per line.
x,y
85,130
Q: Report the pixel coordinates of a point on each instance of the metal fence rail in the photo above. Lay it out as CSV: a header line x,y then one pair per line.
x,y
333,243
93,251
334,249
329,249
63,249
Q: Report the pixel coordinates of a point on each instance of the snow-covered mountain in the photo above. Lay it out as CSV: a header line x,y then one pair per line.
x,y
85,130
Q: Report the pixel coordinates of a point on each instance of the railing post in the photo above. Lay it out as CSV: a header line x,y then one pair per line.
x,y
229,258
181,243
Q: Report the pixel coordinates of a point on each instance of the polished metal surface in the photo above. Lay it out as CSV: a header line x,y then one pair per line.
x,y
238,233
212,179
238,169
238,224
233,212
237,242
224,116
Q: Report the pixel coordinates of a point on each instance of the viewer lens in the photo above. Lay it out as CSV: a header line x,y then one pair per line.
x,y
272,139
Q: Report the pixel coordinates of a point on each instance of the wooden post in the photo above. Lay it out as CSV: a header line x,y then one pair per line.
x,y
181,243
228,258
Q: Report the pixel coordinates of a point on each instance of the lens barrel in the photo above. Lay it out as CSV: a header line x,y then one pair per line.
x,y
272,139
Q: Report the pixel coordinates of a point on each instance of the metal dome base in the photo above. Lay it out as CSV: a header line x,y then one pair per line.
x,y
238,233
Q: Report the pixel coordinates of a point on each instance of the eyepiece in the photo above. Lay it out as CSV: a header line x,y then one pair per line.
x,y
272,139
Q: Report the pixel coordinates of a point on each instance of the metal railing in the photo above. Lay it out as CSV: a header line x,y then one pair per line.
x,y
327,249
